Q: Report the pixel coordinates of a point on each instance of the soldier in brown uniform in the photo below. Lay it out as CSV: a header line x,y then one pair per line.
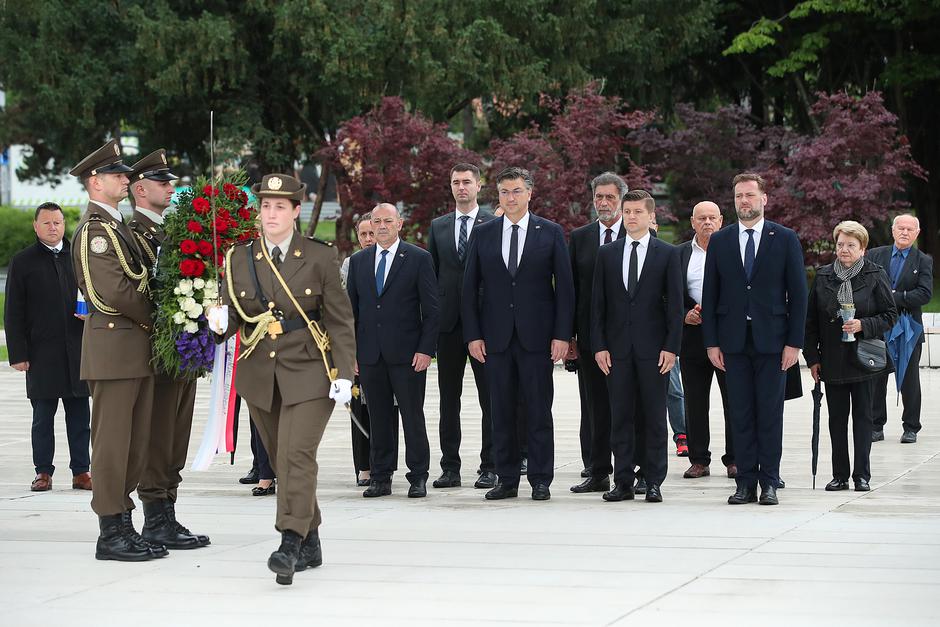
x,y
113,276
281,289
171,419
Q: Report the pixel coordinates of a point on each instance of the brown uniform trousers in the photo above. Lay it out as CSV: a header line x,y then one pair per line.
x,y
284,380
116,356
173,400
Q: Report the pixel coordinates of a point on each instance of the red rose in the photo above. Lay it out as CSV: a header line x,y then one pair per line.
x,y
188,247
186,267
193,227
221,225
208,190
204,247
242,196
198,267
201,206
244,214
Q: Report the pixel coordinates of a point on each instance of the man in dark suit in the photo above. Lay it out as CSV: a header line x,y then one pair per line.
x,y
753,318
44,340
636,331
697,370
911,275
448,243
518,312
583,243
393,293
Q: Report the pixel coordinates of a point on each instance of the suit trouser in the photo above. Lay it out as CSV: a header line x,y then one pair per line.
x,y
291,434
77,428
910,395
598,412
584,426
697,371
638,395
839,398
120,431
262,461
756,387
512,373
360,442
170,426
675,402
384,383
451,364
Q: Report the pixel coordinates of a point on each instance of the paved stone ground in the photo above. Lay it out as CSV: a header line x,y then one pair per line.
x,y
818,559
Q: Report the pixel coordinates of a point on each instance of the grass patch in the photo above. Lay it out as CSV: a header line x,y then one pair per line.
x,y
3,298
934,305
326,230
3,353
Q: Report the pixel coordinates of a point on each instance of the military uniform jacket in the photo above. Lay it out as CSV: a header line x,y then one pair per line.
x,y
112,273
291,360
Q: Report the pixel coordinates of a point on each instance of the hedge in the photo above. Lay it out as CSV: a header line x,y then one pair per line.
x,y
16,230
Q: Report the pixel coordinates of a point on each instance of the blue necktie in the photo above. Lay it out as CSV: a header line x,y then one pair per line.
x,y
380,274
749,253
462,238
897,262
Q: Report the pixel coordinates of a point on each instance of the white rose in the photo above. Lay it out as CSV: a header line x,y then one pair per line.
x,y
191,327
195,311
179,317
176,291
199,284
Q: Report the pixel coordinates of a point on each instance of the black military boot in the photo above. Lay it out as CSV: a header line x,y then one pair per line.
x,y
283,562
113,543
170,509
311,555
160,526
128,528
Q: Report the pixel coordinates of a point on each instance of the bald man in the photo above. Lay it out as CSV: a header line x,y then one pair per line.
x,y
697,370
393,291
911,274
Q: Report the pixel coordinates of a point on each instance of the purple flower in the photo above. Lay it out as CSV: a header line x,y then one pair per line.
x,y
196,350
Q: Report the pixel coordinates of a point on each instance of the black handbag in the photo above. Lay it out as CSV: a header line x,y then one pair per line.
x,y
871,354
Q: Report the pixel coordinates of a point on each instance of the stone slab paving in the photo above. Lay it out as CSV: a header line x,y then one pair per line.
x,y
818,559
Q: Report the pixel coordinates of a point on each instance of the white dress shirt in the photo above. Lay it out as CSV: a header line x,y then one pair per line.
x,y
283,246
389,258
742,237
114,213
641,251
695,277
155,217
56,249
615,228
507,238
473,216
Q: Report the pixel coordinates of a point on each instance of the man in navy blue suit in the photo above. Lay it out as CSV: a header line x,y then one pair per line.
x,y
393,292
753,317
636,332
518,312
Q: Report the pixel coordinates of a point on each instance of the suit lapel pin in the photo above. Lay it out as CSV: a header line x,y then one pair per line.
x,y
770,232
538,226
915,271
401,255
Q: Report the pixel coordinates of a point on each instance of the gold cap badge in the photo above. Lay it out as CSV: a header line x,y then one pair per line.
x,y
274,183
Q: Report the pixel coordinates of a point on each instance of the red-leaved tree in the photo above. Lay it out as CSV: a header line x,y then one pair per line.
x,y
392,155
587,134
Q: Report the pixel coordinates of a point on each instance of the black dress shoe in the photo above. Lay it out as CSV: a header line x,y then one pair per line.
x,y
592,484
448,479
378,488
768,496
524,466
585,473
861,485
283,562
743,495
486,480
621,492
250,478
908,437
113,544
418,489
781,484
502,491
540,492
653,494
362,482
837,484
640,487
311,555
877,436
259,491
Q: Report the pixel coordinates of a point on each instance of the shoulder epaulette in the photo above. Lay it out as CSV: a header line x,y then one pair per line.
x,y
319,241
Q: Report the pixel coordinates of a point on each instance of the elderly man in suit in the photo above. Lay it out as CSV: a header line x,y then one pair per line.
x,y
636,330
584,242
753,321
518,312
911,274
44,340
394,299
448,243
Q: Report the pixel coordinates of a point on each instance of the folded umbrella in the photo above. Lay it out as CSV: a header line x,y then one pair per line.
x,y
817,409
900,342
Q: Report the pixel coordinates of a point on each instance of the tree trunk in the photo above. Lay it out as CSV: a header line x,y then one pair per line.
x,y
318,203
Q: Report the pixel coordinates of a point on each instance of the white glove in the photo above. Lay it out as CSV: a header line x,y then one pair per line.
x,y
218,318
341,391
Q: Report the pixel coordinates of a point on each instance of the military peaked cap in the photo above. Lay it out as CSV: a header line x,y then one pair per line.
x,y
153,167
105,160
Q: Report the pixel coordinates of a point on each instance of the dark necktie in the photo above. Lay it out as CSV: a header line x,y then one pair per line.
x,y
462,238
514,250
276,256
897,262
749,254
380,274
609,236
632,273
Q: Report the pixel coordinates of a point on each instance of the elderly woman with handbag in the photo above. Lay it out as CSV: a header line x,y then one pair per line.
x,y
850,309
